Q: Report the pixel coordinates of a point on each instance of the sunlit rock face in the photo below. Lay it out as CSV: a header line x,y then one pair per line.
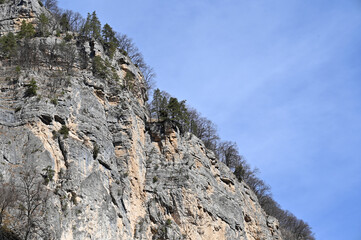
x,y
117,174
13,12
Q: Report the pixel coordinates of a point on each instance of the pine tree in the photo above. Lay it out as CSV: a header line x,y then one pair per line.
x,y
26,30
110,41
64,22
159,105
43,25
92,27
177,111
108,33
173,108
8,44
183,114
85,31
95,26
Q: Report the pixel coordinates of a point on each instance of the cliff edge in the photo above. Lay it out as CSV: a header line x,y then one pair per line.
x,y
116,174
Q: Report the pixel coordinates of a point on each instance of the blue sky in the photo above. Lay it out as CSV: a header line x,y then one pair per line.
x,y
282,78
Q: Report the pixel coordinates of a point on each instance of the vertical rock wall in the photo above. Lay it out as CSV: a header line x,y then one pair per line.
x,y
13,12
147,180
117,175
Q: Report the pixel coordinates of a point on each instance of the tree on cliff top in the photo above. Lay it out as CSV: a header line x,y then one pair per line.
x,y
227,152
92,27
110,41
158,106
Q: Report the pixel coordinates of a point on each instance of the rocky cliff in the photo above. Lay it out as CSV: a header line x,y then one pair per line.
x,y
117,175
13,12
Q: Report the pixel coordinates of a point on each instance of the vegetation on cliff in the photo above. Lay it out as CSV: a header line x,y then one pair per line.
x,y
71,28
23,204
165,107
19,51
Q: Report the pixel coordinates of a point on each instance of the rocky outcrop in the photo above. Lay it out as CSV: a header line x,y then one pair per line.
x,y
147,181
200,196
117,175
13,12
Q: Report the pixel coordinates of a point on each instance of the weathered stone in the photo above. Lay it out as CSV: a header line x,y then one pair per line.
x,y
116,176
12,13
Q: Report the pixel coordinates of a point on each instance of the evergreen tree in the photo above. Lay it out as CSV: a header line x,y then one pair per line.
x,y
183,114
8,44
32,88
64,22
26,30
110,41
108,33
155,104
43,25
159,105
85,31
95,26
173,109
177,111
92,27
99,68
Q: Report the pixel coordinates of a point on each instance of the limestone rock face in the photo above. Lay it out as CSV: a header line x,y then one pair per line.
x,y
13,12
117,175
200,196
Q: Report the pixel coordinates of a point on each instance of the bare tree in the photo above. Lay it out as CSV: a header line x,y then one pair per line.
x,y
27,55
51,5
126,44
291,227
22,206
244,173
149,75
8,197
206,130
33,197
227,152
68,55
75,20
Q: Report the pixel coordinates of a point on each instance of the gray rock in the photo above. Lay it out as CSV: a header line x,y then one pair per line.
x,y
12,13
116,176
